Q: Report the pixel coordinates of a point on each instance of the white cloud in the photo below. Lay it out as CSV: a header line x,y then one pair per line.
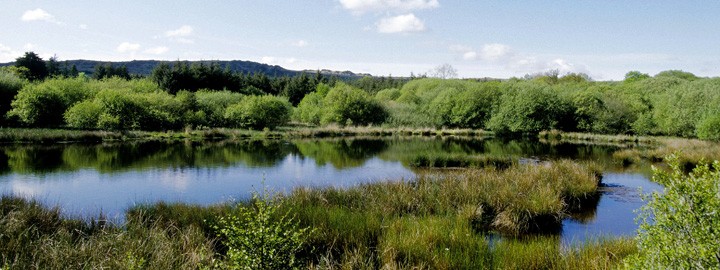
x,y
128,47
504,57
300,43
495,51
282,61
183,31
83,26
157,50
400,24
471,55
30,47
37,15
361,6
7,54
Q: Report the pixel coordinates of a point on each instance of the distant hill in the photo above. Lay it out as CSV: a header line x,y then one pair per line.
x,y
145,67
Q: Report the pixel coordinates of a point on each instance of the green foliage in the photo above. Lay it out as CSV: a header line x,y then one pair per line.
x,y
531,108
43,104
634,76
34,65
10,85
258,112
345,104
213,104
387,94
310,109
677,74
259,237
679,228
84,115
709,128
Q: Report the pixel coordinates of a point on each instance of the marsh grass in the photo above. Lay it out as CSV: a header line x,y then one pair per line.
x,y
36,237
445,160
437,221
640,149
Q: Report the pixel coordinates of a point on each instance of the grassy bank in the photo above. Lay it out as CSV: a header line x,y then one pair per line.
x,y
638,149
439,221
42,135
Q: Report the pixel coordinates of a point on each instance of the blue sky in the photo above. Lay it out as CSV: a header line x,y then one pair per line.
x,y
604,39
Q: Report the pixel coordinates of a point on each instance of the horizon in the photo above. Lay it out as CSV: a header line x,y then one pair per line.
x,y
380,37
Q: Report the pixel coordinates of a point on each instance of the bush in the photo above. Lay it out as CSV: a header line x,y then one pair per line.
x,y
213,105
84,115
709,128
10,85
530,108
43,104
348,105
259,238
310,109
258,112
679,228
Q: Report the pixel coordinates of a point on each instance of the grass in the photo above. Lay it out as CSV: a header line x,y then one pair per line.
x,y
647,148
445,160
438,221
44,135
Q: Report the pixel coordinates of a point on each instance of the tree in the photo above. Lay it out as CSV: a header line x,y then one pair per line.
x,y
444,71
634,76
36,68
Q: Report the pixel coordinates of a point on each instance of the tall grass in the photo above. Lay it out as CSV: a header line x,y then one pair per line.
x,y
438,221
443,160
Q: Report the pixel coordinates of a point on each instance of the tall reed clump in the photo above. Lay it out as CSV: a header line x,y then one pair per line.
x,y
34,236
443,160
435,242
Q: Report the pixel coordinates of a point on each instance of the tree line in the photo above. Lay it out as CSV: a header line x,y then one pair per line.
x,y
179,95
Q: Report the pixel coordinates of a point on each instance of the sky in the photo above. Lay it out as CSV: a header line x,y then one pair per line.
x,y
604,39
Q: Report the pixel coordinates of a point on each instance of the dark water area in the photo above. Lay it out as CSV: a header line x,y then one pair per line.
x,y
85,180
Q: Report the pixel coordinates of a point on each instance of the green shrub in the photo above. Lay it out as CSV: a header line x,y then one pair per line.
x,y
679,228
43,104
84,115
345,104
10,85
258,239
213,105
258,112
387,94
310,109
709,128
530,108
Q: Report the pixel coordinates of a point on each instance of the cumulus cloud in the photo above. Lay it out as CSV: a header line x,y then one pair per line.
x,y
127,47
183,31
157,50
400,24
505,57
37,15
361,6
180,35
489,52
7,53
300,43
271,60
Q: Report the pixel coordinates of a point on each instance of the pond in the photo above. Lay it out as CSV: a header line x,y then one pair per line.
x,y
86,180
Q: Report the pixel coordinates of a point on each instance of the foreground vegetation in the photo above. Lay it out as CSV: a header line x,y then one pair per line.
x,y
439,221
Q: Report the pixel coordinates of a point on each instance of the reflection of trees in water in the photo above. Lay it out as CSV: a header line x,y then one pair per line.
x,y
139,155
344,153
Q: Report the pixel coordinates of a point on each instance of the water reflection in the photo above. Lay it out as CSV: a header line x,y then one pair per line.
x,y
87,179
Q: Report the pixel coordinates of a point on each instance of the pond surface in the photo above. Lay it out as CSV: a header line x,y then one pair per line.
x,y
85,180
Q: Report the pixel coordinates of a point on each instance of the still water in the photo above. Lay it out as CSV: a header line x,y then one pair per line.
x,y
85,180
